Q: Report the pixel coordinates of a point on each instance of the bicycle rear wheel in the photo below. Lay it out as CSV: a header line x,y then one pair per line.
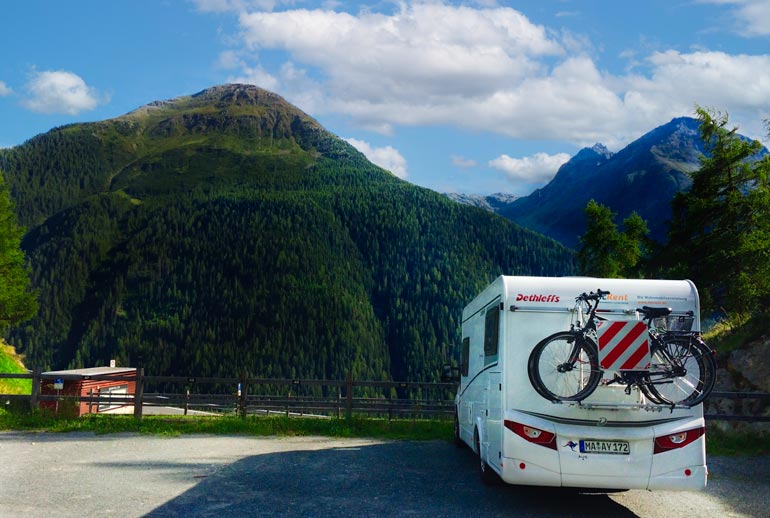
x,y
684,373
564,367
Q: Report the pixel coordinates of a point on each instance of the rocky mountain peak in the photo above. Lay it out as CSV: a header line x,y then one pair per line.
x,y
238,94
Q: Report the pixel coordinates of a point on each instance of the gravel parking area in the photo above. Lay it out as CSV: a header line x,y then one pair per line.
x,y
76,474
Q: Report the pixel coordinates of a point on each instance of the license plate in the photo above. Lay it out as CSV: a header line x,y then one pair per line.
x,y
606,447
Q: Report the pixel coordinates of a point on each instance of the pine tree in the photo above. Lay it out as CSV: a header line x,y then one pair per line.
x,y
720,229
17,302
607,252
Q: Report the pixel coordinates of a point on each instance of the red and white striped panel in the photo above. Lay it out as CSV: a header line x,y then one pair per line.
x,y
623,345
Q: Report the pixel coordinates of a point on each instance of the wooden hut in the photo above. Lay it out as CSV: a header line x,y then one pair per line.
x,y
93,382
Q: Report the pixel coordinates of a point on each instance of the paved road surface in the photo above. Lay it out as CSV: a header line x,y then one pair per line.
x,y
122,475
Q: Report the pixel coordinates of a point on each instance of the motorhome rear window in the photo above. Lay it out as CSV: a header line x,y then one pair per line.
x,y
491,331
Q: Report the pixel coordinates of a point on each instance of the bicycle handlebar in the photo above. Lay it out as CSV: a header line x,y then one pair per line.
x,y
598,295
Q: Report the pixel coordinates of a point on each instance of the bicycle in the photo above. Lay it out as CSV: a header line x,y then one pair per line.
x,y
565,365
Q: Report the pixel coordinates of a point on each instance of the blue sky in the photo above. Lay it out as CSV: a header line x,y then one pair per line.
x,y
475,97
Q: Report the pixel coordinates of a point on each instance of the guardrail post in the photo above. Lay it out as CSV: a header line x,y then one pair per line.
x,y
139,393
33,400
349,396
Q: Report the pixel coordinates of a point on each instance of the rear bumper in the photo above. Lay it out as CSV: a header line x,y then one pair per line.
x,y
522,472
679,480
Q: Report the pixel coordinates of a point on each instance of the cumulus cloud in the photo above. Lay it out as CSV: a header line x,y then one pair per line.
x,y
487,69
424,52
386,157
59,91
535,169
4,89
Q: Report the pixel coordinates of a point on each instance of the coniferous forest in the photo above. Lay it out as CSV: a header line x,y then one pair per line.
x,y
228,231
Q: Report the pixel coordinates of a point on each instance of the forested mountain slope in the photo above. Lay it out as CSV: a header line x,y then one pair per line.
x,y
228,230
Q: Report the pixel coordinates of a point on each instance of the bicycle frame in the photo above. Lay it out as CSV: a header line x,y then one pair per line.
x,y
581,329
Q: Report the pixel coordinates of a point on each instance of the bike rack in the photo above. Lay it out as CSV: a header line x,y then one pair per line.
x,y
648,407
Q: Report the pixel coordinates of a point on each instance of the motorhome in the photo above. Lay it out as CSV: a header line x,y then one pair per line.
x,y
613,439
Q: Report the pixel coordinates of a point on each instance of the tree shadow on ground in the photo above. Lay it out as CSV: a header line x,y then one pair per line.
x,y
382,480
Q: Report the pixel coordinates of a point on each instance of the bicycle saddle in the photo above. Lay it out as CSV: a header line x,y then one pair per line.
x,y
655,312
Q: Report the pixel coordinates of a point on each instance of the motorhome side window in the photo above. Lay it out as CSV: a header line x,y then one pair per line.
x,y
491,332
466,356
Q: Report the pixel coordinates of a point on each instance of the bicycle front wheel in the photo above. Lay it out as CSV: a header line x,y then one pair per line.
x,y
564,367
682,370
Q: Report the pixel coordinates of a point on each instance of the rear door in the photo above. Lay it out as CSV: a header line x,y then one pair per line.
x,y
494,419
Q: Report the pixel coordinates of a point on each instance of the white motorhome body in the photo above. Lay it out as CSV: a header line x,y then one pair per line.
x,y
611,439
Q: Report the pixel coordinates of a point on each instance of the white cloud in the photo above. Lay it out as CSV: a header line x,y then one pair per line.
x,y
739,84
423,52
59,91
462,162
486,69
386,157
4,89
535,169
752,16
230,60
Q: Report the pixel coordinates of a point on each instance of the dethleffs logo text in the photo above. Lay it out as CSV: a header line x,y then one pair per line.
x,y
536,298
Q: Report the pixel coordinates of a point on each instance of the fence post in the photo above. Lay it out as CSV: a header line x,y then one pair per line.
x,y
339,399
242,400
349,396
33,400
139,393
288,402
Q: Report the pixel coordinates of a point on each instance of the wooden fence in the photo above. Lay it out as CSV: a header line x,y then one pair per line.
x,y
249,396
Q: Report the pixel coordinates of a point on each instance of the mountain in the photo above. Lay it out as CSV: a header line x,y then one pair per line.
x,y
643,177
492,203
228,231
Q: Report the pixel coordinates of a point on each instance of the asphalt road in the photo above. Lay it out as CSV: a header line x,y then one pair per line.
x,y
83,475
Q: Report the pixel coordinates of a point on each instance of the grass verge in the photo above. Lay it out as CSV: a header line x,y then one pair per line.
x,y
730,335
717,442
737,443
413,430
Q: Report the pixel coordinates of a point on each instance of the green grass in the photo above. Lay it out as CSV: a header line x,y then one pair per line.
x,y
717,442
735,334
10,363
416,430
737,443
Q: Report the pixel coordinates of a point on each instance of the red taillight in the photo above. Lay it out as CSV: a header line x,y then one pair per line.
x,y
532,434
677,440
